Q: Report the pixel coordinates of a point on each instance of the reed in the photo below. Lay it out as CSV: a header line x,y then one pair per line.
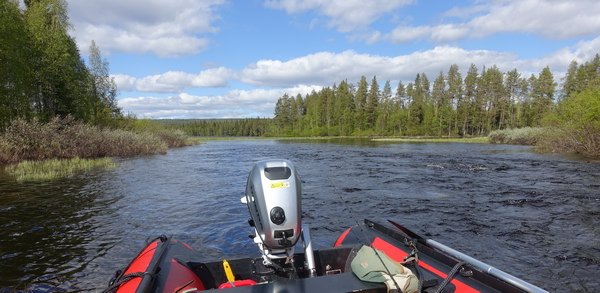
x,y
521,136
66,138
56,168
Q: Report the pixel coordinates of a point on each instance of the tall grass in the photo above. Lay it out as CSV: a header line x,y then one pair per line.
x,y
66,138
522,136
56,168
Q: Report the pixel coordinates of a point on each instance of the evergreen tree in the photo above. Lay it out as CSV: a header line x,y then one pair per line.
x,y
385,109
400,96
455,94
441,106
542,95
361,103
372,103
283,113
514,96
570,80
467,109
344,95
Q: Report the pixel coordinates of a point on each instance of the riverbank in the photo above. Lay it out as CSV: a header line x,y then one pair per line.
x,y
409,139
580,140
480,139
62,147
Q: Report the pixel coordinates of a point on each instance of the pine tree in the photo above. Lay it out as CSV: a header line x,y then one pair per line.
x,y
455,94
542,95
570,80
400,96
467,108
372,103
441,106
361,103
513,95
344,95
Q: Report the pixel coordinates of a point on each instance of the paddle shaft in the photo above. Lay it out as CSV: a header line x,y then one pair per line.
x,y
473,262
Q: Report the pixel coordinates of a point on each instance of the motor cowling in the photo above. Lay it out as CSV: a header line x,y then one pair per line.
x,y
273,196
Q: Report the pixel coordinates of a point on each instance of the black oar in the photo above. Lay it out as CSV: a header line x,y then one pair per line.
x,y
408,233
471,261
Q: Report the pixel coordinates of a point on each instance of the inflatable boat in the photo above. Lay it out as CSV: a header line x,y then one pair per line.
x,y
367,257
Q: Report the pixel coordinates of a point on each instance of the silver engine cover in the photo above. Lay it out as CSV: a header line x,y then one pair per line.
x,y
273,196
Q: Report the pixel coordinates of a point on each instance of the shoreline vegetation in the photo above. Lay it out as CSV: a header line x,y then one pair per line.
x,y
408,139
33,150
478,139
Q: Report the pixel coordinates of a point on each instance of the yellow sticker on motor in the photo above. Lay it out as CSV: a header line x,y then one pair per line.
x,y
283,184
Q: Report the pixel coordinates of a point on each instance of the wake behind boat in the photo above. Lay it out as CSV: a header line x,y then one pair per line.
x,y
368,257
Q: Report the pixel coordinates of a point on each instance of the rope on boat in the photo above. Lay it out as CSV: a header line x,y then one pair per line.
x,y
450,276
124,279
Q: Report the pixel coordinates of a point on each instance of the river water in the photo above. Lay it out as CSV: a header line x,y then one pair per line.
x,y
535,216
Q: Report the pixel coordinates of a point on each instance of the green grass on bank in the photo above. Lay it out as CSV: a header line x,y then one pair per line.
x,y
382,139
56,168
482,139
198,139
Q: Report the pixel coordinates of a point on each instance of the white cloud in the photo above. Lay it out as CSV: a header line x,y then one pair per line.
x,y
318,70
174,81
559,61
344,15
326,68
160,27
553,19
234,104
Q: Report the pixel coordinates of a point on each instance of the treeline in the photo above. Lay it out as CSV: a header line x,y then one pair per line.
x,y
480,102
42,74
221,127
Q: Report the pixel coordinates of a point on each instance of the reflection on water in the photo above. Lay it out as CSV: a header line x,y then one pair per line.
x,y
536,216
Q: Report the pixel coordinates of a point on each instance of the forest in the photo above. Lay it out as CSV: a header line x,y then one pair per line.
x,y
483,101
42,72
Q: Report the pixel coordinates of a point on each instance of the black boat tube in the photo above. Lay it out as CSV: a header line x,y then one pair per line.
x,y
473,262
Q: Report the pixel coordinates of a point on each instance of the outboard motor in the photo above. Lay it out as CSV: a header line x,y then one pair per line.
x,y
273,196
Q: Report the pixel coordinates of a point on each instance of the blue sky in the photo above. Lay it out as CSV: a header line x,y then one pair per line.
x,y
224,59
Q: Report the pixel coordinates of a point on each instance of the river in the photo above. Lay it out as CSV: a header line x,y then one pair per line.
x,y
535,216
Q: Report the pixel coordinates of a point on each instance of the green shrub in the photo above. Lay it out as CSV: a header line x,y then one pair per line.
x,y
522,136
578,118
